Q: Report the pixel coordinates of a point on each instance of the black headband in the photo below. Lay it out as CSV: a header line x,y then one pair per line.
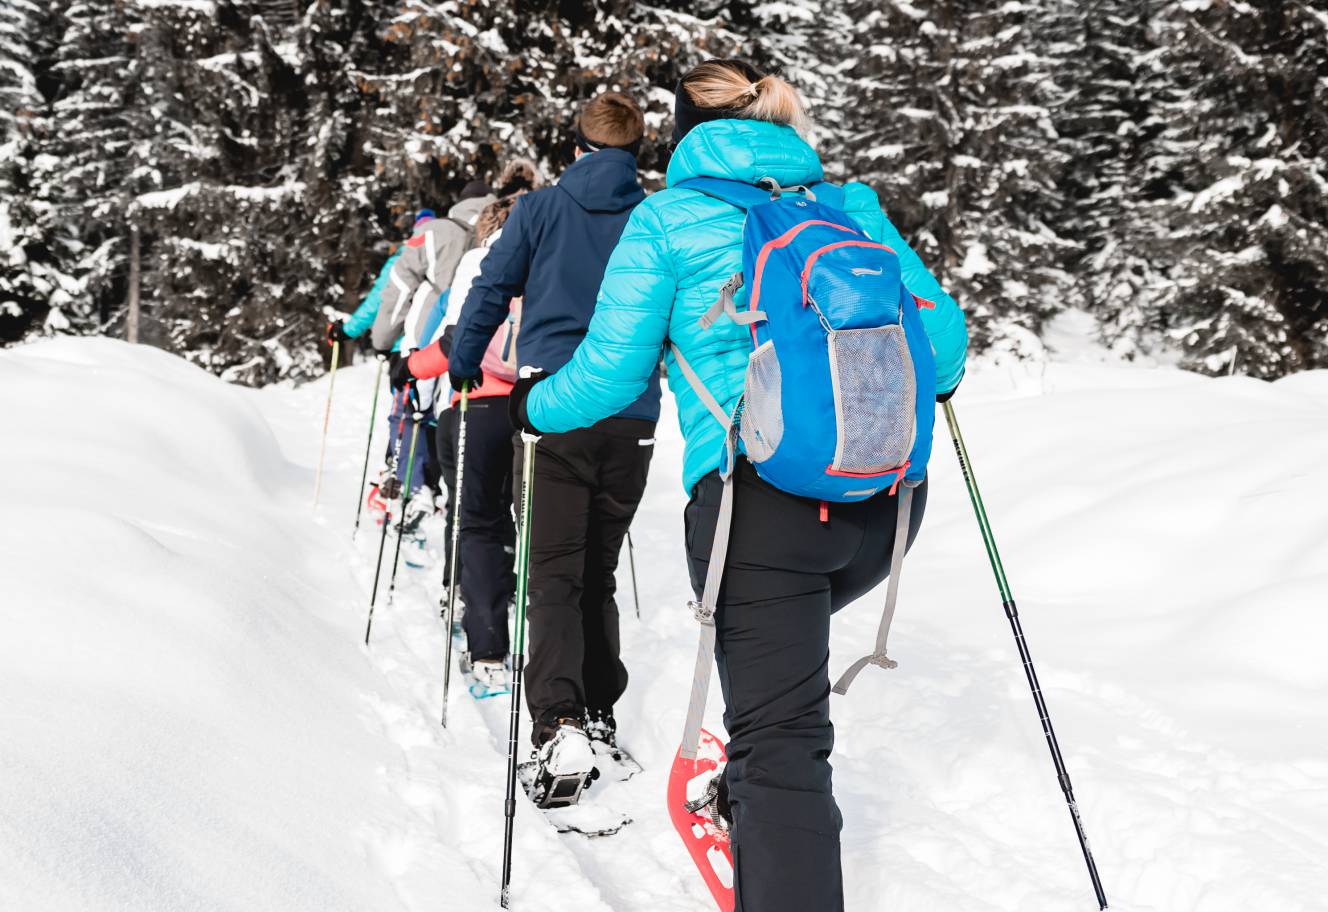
x,y
587,145
687,115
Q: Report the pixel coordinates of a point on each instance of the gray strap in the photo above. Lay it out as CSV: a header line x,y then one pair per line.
x,y
714,313
705,614
694,380
726,305
903,511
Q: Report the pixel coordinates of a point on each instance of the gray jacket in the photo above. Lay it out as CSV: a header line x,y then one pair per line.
x,y
428,258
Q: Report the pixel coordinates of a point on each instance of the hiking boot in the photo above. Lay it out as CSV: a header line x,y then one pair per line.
x,y
418,510
489,678
564,766
389,487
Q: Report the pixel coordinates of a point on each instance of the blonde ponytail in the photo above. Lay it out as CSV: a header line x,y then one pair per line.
x,y
720,84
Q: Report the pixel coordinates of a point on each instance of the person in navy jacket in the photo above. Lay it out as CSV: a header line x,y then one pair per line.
x,y
588,482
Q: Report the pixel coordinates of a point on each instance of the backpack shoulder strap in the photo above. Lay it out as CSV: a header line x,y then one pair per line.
x,y
745,196
735,193
830,194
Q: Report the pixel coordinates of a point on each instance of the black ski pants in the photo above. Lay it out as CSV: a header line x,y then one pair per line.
x,y
588,484
787,572
487,535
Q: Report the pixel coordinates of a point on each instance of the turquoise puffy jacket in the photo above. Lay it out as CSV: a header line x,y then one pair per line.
x,y
677,250
358,323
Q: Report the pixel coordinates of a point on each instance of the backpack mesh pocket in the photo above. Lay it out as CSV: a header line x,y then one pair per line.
x,y
762,425
875,399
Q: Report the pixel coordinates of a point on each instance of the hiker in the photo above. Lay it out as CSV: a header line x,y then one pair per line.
x,y
588,482
361,321
423,272
487,539
792,561
355,326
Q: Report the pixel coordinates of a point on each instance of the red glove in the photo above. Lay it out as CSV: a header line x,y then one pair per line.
x,y
428,363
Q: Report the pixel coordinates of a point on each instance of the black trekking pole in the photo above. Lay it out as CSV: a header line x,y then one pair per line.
x,y
631,563
368,445
416,420
518,654
450,614
1012,613
387,518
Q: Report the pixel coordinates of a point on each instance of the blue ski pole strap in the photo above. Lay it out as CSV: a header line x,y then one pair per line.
x,y
903,513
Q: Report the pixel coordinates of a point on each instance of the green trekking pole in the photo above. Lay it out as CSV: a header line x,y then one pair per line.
x,y
1012,613
368,445
528,442
456,543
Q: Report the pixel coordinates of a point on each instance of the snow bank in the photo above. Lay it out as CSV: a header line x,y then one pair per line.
x,y
190,721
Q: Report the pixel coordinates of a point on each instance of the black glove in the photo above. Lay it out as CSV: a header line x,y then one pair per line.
x,y
400,372
945,397
459,382
336,332
516,403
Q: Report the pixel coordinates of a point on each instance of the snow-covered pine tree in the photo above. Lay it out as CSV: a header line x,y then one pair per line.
x,y
952,117
1245,146
30,235
1107,128
231,281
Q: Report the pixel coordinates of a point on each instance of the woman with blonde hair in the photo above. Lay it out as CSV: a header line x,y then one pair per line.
x,y
792,561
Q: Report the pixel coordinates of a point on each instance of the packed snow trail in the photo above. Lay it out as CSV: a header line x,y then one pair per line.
x,y
190,720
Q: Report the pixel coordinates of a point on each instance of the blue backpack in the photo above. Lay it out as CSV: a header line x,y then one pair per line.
x,y
840,393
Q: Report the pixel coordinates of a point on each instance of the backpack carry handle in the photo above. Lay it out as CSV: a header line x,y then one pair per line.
x,y
776,191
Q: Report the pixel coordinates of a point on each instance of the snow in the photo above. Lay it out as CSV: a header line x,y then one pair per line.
x,y
976,262
191,720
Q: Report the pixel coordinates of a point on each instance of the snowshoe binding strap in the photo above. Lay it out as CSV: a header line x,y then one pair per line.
x,y
708,802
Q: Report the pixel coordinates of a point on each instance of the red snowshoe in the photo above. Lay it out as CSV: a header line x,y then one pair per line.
x,y
689,796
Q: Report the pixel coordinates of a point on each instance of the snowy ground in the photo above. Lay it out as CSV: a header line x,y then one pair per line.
x,y
190,721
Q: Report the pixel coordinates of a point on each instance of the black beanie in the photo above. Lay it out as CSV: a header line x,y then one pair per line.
x,y
686,115
474,189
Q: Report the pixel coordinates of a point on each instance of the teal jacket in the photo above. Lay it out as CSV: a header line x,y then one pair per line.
x,y
677,250
358,323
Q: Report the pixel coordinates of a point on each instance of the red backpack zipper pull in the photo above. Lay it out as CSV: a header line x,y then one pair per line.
x,y
825,512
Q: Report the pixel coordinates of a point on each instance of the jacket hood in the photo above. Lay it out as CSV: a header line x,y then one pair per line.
x,y
468,210
603,181
745,150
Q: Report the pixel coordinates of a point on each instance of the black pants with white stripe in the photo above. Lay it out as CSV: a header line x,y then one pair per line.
x,y
787,572
588,484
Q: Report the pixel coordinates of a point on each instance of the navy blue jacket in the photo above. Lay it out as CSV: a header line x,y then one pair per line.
x,y
553,251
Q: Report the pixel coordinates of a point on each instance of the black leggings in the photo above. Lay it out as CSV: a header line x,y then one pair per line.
x,y
787,572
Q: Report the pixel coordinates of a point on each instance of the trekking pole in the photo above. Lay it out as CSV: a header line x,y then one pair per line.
x,y
518,653
1012,613
416,420
368,445
456,543
631,562
327,417
387,515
